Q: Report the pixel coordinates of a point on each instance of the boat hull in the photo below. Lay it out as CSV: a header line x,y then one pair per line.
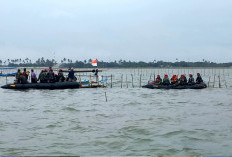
x,y
158,86
57,85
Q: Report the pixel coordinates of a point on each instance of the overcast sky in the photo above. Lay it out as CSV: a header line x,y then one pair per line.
x,y
109,30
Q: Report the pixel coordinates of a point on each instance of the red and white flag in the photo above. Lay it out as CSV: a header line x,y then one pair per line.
x,y
94,63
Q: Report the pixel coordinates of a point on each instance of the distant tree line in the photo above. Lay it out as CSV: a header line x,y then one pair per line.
x,y
66,63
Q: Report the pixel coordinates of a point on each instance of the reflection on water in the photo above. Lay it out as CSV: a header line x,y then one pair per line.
x,y
134,121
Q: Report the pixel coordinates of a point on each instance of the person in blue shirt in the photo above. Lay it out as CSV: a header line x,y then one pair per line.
x,y
71,75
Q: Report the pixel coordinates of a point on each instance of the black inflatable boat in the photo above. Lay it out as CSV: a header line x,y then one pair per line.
x,y
57,85
160,86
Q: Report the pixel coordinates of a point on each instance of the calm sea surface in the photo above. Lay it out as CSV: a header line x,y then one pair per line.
x,y
134,121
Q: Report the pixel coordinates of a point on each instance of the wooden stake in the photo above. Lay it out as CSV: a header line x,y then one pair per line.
x,y
111,77
121,80
103,81
214,80
219,84
132,81
90,80
209,81
126,82
140,80
105,97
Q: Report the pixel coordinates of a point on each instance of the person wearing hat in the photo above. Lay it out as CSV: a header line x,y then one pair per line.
x,y
191,79
199,79
183,80
174,79
166,80
61,77
51,75
158,80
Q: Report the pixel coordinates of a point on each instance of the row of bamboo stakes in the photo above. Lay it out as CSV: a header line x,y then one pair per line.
x,y
215,76
140,80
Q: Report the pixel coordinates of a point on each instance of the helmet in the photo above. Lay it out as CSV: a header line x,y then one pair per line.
x,y
45,69
60,70
198,73
158,75
165,75
50,69
190,74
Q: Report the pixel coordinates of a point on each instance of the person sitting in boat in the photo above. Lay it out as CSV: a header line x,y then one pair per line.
x,y
191,79
61,77
51,75
71,75
199,79
166,80
174,79
158,80
183,80
33,76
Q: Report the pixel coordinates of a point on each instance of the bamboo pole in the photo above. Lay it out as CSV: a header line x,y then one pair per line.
x,y
132,81
103,81
126,82
105,96
90,80
80,80
214,80
219,83
225,83
97,80
111,77
209,81
121,79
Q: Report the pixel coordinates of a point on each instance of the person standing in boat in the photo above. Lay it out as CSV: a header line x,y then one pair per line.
x,y
199,79
158,80
191,79
42,76
17,76
25,73
33,76
71,75
166,80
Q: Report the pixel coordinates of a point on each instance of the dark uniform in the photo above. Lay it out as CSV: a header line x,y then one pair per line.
x,y
199,79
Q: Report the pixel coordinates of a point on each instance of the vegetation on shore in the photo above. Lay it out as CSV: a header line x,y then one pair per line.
x,y
66,63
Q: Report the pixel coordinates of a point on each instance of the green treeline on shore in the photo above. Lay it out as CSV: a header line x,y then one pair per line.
x,y
66,63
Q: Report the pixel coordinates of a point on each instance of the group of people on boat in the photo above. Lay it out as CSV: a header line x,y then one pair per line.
x,y
178,81
45,76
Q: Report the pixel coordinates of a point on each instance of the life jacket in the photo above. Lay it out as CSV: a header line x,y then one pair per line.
x,y
158,80
51,76
18,75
